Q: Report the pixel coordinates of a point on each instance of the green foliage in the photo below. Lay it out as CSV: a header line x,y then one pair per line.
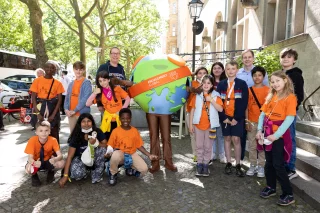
x,y
15,33
269,59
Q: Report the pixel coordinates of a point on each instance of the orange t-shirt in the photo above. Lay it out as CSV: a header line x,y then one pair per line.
x,y
280,109
229,108
126,140
33,147
204,122
75,94
194,84
112,106
41,86
253,108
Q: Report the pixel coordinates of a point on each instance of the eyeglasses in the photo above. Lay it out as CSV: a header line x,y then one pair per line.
x,y
114,53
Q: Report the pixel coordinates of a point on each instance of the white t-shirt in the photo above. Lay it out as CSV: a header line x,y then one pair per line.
x,y
65,80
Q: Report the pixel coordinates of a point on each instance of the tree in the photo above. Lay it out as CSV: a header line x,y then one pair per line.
x,y
80,19
35,15
15,35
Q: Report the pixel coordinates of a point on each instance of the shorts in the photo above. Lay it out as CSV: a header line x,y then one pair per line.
x,y
237,130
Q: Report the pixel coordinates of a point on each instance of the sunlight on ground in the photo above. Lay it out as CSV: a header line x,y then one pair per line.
x,y
40,205
194,181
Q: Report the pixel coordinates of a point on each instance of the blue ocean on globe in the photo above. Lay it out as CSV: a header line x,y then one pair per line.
x,y
160,105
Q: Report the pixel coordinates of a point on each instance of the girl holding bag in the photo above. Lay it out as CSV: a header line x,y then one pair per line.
x,y
274,136
78,142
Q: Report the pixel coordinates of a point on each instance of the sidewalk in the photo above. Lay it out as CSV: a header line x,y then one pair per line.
x,y
164,191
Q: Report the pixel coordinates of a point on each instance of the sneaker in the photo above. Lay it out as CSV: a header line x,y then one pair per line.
x,y
286,200
129,172
260,172
292,174
195,158
222,158
210,162
35,181
97,181
239,171
50,176
252,170
205,170
113,180
199,171
228,169
267,192
2,128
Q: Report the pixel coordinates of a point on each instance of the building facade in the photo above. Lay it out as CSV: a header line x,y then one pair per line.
x,y
272,24
171,42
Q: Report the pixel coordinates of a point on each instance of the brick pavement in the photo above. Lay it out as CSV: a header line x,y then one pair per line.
x,y
163,192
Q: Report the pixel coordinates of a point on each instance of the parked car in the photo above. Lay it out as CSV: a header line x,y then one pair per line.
x,y
16,85
27,78
8,94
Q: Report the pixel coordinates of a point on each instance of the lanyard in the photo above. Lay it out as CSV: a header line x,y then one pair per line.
x,y
205,103
230,91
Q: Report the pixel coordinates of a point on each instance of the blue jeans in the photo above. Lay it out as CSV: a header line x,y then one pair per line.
x,y
220,141
291,165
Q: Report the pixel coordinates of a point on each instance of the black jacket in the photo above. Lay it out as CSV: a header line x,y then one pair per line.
x,y
295,74
113,71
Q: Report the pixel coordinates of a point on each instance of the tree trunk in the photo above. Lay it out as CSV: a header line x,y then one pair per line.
x,y
37,35
81,31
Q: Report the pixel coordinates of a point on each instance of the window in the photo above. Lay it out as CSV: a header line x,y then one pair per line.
x,y
173,30
289,19
174,8
174,49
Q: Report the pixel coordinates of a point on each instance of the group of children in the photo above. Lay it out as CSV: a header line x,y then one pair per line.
x,y
223,105
264,116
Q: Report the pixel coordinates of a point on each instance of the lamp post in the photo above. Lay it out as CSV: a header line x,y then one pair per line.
x,y
98,50
195,8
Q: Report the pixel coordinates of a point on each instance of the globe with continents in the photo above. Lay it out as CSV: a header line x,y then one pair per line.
x,y
159,83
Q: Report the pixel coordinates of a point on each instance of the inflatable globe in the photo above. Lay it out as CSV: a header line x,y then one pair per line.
x,y
159,83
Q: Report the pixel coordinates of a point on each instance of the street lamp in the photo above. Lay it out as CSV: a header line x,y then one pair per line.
x,y
98,50
195,8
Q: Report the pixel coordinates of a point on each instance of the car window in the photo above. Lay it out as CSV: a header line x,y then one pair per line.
x,y
5,87
13,85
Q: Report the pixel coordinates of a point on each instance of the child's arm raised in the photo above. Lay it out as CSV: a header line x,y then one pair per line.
x,y
93,96
127,102
215,104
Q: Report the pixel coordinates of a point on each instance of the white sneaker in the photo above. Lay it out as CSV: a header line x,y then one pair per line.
x,y
252,170
260,172
214,157
222,158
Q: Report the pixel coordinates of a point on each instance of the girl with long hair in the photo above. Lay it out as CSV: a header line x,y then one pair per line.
x,y
273,135
109,96
218,73
78,142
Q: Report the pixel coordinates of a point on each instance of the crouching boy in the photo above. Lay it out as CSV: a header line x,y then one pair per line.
x,y
40,149
123,144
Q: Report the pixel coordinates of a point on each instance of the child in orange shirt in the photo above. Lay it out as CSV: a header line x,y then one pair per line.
x,y
110,97
257,96
125,140
277,115
200,72
48,91
205,119
234,94
78,93
40,149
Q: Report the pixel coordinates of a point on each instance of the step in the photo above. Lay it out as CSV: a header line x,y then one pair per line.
x,y
308,163
309,127
307,188
308,143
